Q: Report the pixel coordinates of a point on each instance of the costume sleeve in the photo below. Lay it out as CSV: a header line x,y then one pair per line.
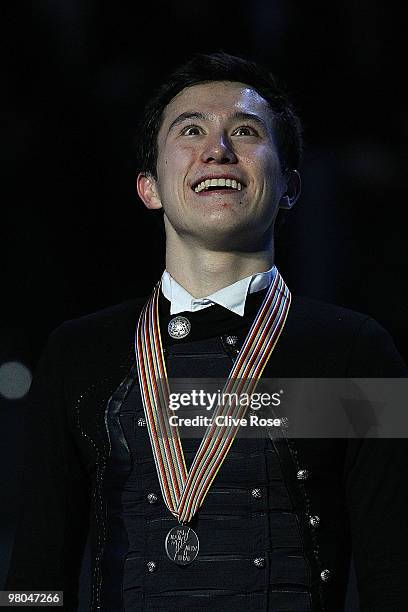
x,y
377,488
53,519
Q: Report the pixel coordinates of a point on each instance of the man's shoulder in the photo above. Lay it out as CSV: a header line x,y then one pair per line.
x,y
95,346
123,314
324,314
331,322
95,335
344,335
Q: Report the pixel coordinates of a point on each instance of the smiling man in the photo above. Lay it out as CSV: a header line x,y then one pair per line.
x,y
220,181
219,522
221,177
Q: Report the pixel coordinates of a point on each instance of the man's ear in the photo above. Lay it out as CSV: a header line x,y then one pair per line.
x,y
147,191
293,189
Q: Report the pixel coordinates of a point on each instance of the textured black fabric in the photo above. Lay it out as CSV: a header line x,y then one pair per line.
x,y
68,450
234,527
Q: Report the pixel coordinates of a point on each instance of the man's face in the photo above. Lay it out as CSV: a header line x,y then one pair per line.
x,y
219,178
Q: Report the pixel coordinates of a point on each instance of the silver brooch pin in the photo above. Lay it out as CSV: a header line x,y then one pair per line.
x,y
179,327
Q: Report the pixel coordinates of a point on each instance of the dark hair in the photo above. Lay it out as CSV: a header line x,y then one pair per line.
x,y
202,68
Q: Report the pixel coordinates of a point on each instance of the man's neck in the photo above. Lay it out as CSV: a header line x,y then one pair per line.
x,y
202,271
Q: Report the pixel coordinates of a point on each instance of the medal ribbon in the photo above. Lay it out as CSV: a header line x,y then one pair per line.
x,y
184,493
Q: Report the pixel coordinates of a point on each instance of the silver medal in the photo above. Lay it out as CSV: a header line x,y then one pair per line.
x,y
182,545
179,327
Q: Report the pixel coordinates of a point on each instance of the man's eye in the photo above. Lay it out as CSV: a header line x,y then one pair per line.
x,y
245,130
191,130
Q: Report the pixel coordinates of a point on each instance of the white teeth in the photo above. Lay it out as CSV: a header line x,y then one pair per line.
x,y
218,182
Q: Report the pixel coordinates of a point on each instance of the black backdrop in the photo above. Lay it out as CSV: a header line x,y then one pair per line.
x,y
74,235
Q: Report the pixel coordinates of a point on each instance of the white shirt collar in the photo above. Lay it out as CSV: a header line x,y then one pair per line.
x,y
232,297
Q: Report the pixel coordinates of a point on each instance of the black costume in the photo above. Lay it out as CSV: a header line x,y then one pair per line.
x,y
279,521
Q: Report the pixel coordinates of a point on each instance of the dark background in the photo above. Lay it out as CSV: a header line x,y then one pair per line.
x,y
74,236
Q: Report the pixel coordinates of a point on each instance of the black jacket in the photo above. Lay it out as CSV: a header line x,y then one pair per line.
x,y
67,449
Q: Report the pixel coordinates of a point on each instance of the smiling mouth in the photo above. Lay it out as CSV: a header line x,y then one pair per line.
x,y
220,184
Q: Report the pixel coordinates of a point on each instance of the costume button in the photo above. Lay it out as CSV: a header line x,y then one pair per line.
x,y
231,340
179,327
325,575
284,422
259,562
152,498
314,521
151,566
303,475
256,493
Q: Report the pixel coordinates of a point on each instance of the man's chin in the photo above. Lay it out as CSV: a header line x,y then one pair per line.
x,y
215,235
217,230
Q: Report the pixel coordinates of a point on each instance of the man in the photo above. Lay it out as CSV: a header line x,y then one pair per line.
x,y
262,523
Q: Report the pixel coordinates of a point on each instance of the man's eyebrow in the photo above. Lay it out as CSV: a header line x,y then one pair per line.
x,y
241,116
188,115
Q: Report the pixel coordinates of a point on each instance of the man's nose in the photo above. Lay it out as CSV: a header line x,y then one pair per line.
x,y
219,149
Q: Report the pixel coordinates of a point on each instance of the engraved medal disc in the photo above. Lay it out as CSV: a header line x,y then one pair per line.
x,y
182,545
